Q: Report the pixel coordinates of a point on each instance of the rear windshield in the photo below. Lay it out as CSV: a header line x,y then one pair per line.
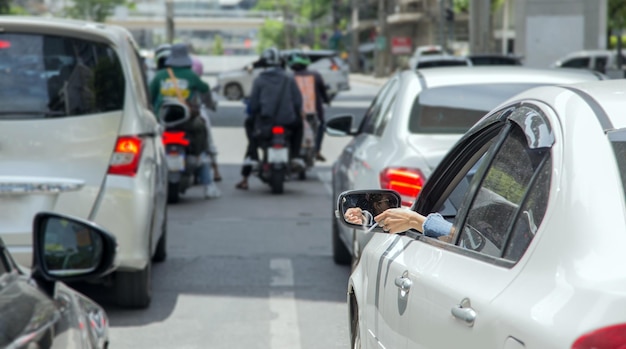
x,y
454,109
44,76
442,63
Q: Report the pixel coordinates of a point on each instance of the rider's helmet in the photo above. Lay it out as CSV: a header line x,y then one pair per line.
x,y
271,57
160,55
298,60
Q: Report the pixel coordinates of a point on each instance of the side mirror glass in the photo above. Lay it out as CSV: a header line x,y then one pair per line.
x,y
68,248
357,208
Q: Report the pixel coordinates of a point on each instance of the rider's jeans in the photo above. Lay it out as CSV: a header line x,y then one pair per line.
x,y
204,172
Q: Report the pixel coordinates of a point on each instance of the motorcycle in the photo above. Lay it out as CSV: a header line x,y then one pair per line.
x,y
275,165
182,166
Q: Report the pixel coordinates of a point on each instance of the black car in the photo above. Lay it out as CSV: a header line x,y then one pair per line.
x,y
37,309
494,59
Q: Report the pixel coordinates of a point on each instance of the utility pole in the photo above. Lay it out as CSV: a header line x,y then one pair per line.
x,y
480,26
169,21
354,49
382,44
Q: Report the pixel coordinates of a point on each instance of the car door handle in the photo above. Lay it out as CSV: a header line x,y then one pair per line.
x,y
403,283
464,312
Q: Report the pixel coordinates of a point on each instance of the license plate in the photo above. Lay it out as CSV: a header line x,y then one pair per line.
x,y
277,155
176,162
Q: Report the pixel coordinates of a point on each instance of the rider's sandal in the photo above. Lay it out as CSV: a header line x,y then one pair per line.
x,y
242,186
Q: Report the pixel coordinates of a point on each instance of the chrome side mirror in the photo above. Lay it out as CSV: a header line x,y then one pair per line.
x,y
357,208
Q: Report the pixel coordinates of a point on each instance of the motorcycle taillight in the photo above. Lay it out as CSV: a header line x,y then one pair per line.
x,y
175,137
278,130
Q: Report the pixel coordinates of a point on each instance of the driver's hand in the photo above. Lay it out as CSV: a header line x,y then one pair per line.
x,y
354,215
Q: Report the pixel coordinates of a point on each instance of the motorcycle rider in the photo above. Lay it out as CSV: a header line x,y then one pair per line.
x,y
273,90
177,77
314,94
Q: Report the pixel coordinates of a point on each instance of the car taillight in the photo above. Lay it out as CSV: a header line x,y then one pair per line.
x,y
408,182
611,337
278,130
125,159
5,44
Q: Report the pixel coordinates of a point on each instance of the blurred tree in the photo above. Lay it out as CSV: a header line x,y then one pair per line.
x,y
218,46
271,35
5,7
94,10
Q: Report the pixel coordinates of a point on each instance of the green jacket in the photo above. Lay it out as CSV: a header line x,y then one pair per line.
x,y
162,86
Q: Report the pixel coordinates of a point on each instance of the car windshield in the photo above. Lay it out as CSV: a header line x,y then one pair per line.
x,y
52,76
454,109
441,63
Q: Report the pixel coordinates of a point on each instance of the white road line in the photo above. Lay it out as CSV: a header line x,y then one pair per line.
x,y
284,330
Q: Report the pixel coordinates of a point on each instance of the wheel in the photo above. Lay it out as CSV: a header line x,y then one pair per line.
x,y
341,255
173,193
233,92
134,289
161,250
277,181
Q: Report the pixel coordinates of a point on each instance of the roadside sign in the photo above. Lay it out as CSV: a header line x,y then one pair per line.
x,y
401,45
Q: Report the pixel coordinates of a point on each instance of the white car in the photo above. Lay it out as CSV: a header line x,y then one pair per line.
x,y
78,137
535,192
604,61
237,84
412,122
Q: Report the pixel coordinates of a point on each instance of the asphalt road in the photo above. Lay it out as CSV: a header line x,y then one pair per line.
x,y
249,269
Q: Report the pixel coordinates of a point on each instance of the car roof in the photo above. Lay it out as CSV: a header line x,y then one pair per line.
x,y
62,26
609,94
445,76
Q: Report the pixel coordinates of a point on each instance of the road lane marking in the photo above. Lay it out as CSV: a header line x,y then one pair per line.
x,y
284,330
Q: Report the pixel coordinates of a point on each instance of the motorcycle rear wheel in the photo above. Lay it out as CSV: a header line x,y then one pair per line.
x,y
277,181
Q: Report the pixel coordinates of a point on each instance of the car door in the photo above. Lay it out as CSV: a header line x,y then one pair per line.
x,y
438,293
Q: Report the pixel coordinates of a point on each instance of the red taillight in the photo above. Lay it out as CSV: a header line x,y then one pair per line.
x,y
125,159
408,182
175,137
278,130
611,337
5,44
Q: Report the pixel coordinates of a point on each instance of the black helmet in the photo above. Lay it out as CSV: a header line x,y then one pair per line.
x,y
271,57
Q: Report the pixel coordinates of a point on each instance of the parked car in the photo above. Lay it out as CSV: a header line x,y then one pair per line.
x,y
445,60
237,84
535,191
599,60
426,50
494,59
37,309
80,138
413,121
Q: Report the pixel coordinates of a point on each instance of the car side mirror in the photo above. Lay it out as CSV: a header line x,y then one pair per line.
x,y
67,248
357,208
340,125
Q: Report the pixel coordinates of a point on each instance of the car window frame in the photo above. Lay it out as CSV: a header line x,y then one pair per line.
x,y
456,164
372,115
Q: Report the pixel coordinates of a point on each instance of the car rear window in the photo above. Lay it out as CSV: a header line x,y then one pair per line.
x,y
454,109
441,63
45,76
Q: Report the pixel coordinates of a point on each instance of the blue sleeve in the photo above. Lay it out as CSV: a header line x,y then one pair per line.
x,y
436,226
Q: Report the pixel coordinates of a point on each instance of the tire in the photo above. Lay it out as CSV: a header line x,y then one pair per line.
x,y
134,289
161,250
173,193
277,181
341,255
302,175
233,92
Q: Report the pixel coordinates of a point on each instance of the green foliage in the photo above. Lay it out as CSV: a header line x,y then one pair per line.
x,y
5,7
94,10
613,41
218,46
271,34
617,15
